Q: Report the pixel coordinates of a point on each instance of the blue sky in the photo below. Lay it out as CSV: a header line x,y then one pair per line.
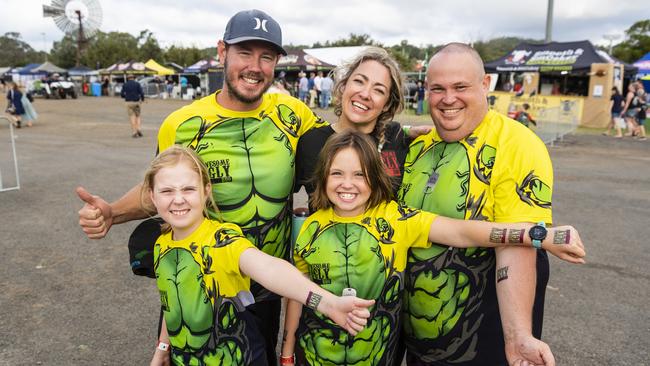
x,y
201,23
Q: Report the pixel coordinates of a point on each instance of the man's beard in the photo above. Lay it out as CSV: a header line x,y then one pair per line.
x,y
233,92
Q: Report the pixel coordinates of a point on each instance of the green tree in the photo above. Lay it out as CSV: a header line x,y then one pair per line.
x,y
352,40
636,44
184,56
64,52
16,52
496,48
148,46
106,49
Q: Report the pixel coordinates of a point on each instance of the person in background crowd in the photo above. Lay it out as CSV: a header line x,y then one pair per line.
x,y
615,106
133,96
14,104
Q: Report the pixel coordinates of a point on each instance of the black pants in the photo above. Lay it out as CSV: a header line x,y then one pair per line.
x,y
267,317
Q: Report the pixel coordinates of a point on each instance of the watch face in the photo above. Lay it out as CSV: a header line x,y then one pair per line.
x,y
537,232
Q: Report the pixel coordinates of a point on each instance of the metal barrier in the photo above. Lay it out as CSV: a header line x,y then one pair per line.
x,y
8,156
554,123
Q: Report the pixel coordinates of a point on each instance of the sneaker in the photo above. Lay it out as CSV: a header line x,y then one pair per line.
x,y
139,133
642,138
135,135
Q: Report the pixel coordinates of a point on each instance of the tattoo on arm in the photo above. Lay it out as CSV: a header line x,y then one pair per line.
x,y
313,300
562,237
498,235
502,274
516,236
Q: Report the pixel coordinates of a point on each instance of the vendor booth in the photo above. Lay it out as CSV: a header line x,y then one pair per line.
x,y
298,60
209,72
563,82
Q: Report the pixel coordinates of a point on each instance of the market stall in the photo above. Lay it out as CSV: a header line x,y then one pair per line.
x,y
561,81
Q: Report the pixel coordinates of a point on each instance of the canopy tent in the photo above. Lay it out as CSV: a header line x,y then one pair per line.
x,y
628,69
209,64
130,67
49,68
335,55
160,69
82,71
548,57
299,60
4,70
27,70
643,64
174,66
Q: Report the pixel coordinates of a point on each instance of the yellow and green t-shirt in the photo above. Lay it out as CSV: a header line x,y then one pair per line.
x,y
502,173
204,297
250,158
366,253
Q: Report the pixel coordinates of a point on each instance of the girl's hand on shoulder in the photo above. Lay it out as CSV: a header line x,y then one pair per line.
x,y
564,242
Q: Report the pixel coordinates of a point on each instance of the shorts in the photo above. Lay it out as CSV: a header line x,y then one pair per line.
x,y
632,112
133,108
619,122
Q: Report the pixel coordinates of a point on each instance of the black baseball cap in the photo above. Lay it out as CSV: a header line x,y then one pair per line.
x,y
250,25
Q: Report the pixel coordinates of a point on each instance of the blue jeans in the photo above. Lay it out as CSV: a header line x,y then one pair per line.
x,y
420,109
325,97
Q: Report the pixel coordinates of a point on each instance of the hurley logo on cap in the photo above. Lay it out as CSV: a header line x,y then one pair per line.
x,y
261,23
253,25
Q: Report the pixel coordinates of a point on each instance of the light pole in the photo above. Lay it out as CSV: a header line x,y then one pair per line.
x,y
44,45
549,22
611,38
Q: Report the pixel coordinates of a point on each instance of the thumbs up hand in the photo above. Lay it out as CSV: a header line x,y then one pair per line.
x,y
95,217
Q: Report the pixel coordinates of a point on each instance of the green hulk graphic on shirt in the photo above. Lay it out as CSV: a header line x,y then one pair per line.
x,y
445,288
250,161
347,255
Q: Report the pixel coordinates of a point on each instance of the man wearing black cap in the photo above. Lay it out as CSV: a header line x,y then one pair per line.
x,y
248,140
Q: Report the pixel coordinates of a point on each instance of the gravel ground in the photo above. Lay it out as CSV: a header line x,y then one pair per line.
x,y
67,300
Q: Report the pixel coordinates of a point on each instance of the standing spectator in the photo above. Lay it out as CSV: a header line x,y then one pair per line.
x,y
615,106
303,88
311,86
642,101
476,306
105,84
30,114
170,88
420,92
15,104
133,95
317,86
326,91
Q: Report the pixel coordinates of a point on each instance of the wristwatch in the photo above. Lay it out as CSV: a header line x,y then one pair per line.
x,y
162,346
537,234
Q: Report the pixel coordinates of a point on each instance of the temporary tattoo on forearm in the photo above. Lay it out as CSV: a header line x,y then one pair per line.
x,y
516,236
562,237
498,235
502,274
313,300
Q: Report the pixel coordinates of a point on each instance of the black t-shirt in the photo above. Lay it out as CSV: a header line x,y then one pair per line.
x,y
617,107
393,154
